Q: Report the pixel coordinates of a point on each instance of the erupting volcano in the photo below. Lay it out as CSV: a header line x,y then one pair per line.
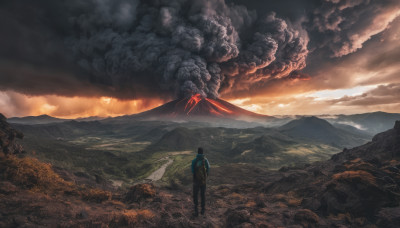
x,y
198,106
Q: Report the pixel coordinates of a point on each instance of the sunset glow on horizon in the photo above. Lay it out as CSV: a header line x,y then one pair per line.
x,y
15,104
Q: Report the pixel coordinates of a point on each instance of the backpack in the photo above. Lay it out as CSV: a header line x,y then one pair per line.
x,y
200,171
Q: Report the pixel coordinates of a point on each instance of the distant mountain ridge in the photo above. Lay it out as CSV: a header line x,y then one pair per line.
x,y
321,130
42,119
365,123
372,123
46,119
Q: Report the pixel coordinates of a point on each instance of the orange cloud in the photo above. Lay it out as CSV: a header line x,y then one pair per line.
x,y
17,104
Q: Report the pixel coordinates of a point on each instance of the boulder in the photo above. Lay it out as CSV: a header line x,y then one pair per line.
x,y
236,217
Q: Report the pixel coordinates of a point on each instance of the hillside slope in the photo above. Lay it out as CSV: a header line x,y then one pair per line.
x,y
313,128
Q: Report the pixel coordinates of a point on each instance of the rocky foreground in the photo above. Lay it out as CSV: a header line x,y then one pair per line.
x,y
358,187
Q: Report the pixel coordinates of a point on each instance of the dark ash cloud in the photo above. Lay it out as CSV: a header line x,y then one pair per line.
x,y
174,48
135,49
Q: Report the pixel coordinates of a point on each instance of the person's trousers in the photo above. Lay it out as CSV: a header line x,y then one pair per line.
x,y
196,189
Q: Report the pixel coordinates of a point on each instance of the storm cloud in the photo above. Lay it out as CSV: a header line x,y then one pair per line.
x,y
345,25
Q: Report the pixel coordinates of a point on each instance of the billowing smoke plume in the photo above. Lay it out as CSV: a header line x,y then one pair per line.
x,y
135,49
186,47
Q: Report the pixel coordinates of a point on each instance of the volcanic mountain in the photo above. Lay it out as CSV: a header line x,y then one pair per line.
x,y
197,107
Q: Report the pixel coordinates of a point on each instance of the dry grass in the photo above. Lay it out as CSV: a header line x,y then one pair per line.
x,y
96,195
359,165
236,196
131,218
358,175
339,217
289,199
356,160
251,203
29,173
116,204
281,205
32,174
294,202
279,197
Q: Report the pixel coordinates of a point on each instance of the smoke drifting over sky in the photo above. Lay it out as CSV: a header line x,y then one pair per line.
x,y
164,49
346,24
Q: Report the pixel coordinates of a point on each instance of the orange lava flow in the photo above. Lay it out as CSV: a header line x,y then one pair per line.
x,y
219,106
192,102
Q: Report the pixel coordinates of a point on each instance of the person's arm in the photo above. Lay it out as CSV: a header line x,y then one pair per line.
x,y
207,166
193,166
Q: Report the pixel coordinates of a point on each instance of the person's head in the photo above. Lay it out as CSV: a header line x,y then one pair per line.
x,y
200,150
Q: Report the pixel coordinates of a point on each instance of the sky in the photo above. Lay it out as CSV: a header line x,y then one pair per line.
x,y
75,58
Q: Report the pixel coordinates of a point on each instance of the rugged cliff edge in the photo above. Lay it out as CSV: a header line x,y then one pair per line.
x,y
8,135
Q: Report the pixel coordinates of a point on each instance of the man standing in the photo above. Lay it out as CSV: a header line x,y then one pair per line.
x,y
200,167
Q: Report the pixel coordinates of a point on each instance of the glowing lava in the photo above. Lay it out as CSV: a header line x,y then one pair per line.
x,y
205,105
219,105
192,102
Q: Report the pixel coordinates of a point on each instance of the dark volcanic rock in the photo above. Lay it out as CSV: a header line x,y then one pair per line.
x,y
397,126
356,197
8,135
389,217
7,188
236,217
